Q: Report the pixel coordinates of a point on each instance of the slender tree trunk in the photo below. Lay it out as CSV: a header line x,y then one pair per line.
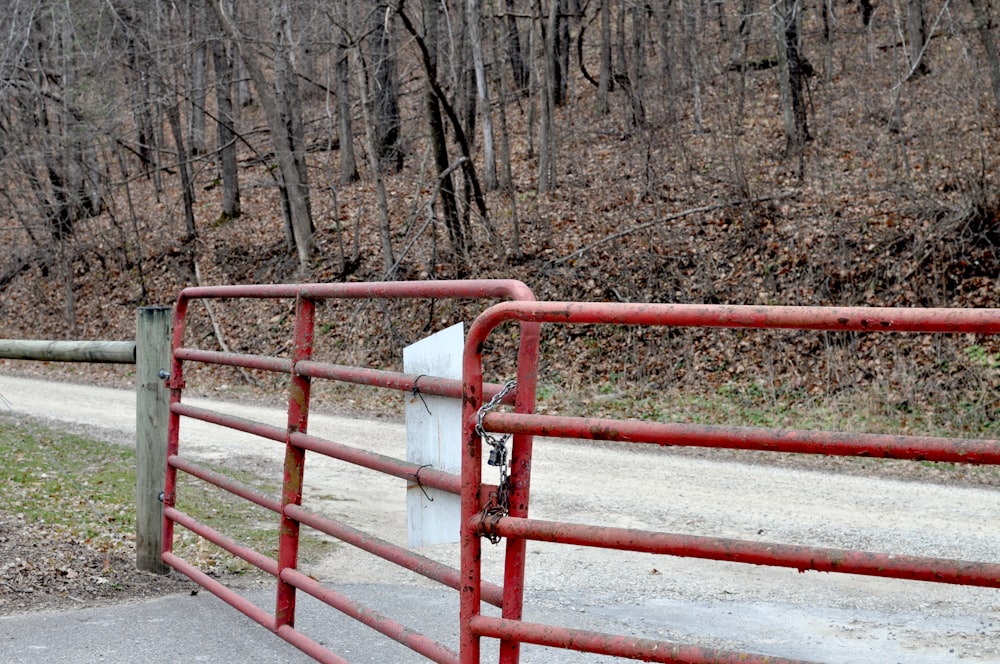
x,y
294,190
199,77
985,24
916,36
506,174
546,139
348,162
225,129
365,73
693,58
386,90
792,77
184,168
439,141
637,64
561,55
739,58
489,151
604,80
519,69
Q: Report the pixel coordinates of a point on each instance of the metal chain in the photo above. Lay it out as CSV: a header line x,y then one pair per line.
x,y
500,500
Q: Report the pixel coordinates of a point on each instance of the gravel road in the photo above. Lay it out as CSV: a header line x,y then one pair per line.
x,y
822,617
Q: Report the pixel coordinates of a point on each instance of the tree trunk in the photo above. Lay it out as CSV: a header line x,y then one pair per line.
x,y
792,76
348,162
604,80
519,69
225,130
636,76
985,24
506,175
546,139
382,203
293,188
183,167
439,142
916,37
476,39
198,78
693,58
386,90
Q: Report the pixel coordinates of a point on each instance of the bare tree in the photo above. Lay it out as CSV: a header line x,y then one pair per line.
x,y
916,36
197,75
792,77
279,102
438,138
476,42
604,85
382,58
985,24
224,66
348,162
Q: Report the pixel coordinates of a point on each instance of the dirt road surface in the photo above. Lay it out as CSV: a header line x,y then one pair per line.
x,y
821,617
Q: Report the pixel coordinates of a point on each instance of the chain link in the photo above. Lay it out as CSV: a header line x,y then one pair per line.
x,y
499,504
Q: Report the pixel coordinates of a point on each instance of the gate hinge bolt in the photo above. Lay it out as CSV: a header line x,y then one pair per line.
x,y
163,374
160,497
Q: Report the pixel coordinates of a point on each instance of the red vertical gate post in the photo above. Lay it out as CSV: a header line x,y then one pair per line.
x,y
520,486
175,381
291,492
472,503
472,499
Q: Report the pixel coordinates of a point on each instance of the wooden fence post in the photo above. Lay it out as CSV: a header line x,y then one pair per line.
x,y
151,416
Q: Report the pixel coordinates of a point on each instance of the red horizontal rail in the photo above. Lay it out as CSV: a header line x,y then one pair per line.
x,y
843,319
802,558
275,364
258,560
453,289
268,431
405,558
611,644
240,489
403,382
381,623
922,448
437,479
315,650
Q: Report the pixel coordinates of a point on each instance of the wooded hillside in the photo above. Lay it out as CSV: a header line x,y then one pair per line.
x,y
800,152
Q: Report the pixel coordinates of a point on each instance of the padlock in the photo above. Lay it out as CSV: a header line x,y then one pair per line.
x,y
497,456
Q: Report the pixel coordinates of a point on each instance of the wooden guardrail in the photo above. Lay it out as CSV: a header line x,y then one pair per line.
x,y
150,352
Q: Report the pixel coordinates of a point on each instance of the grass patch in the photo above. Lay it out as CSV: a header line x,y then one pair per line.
x,y
85,489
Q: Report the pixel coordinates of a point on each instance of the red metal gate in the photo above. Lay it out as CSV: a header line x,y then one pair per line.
x,y
502,511
296,441
514,524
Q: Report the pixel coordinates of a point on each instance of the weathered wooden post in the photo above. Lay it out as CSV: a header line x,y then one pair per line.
x,y
151,414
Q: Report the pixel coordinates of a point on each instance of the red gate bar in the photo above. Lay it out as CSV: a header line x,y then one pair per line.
x,y
407,470
617,646
833,319
802,558
403,382
297,441
246,607
422,565
517,528
258,560
831,443
374,619
252,494
267,431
